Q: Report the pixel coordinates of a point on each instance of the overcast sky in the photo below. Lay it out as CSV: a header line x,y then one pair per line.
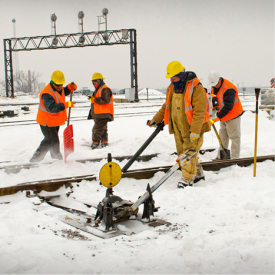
x,y
234,37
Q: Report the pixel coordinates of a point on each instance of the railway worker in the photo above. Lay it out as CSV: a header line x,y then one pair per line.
x,y
102,111
51,114
185,110
226,102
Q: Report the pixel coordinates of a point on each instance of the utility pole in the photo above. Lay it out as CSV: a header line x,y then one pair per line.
x,y
29,81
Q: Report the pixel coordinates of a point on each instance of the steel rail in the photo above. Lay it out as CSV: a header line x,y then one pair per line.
x,y
80,118
32,122
54,184
85,117
89,105
15,168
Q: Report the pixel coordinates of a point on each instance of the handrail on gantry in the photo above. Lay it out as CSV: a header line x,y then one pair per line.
x,y
71,40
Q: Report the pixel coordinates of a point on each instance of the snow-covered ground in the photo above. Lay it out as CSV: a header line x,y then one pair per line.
x,y
151,93
223,225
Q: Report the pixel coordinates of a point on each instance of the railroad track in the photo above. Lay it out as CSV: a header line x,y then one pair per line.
x,y
15,168
83,102
55,184
80,118
33,121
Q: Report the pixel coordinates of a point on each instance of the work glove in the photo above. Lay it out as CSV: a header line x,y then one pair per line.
x,y
212,121
72,87
194,136
213,115
69,104
90,97
151,123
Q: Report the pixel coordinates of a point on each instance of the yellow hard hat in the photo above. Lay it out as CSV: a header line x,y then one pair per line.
x,y
97,76
173,69
58,78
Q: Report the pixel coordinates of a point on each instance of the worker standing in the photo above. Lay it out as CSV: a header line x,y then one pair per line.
x,y
185,110
226,101
102,111
51,114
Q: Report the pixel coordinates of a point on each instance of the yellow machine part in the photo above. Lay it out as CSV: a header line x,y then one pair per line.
x,y
110,174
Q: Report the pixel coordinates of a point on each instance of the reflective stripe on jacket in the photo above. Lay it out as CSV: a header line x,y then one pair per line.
x,y
46,118
187,103
237,108
103,108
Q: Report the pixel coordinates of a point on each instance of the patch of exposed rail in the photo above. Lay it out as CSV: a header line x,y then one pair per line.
x,y
80,118
15,168
54,184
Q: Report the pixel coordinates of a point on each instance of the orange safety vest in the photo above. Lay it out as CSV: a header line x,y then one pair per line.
x,y
103,108
237,108
187,103
46,118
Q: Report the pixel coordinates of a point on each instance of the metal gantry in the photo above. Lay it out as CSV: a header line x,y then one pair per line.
x,y
71,40
8,68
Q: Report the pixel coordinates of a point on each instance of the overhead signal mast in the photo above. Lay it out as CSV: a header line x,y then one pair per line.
x,y
71,40
53,26
102,19
81,27
15,53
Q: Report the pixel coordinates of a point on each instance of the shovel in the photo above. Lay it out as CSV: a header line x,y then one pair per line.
x,y
224,153
68,135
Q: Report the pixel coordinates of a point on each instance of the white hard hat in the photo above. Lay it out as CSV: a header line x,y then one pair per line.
x,y
213,78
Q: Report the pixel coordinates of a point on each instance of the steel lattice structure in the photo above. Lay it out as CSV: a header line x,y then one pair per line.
x,y
71,40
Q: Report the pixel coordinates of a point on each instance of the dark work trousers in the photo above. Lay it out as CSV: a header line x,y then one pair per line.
x,y
49,143
100,130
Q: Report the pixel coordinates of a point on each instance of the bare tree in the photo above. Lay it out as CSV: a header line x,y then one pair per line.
x,y
35,82
2,87
22,83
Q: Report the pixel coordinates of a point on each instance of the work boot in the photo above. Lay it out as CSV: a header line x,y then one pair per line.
x,y
37,156
199,174
57,156
35,159
197,179
104,144
94,146
184,183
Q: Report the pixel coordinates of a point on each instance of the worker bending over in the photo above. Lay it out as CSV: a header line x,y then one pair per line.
x,y
51,114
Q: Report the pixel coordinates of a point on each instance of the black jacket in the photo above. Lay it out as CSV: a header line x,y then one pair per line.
x,y
50,104
228,100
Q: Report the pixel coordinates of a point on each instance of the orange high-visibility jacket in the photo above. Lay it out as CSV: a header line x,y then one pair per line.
x,y
237,108
49,119
103,108
187,103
